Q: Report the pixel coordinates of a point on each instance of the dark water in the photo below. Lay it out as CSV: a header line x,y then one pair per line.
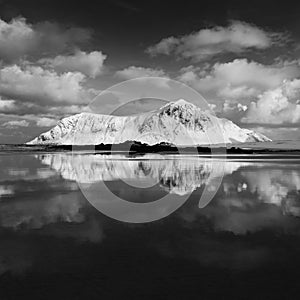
x,y
54,243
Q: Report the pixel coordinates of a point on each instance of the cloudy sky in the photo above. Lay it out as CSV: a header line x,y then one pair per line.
x,y
56,56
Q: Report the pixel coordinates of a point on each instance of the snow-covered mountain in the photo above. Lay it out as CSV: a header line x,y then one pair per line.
x,y
180,123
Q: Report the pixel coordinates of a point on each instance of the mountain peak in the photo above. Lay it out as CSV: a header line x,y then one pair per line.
x,y
182,102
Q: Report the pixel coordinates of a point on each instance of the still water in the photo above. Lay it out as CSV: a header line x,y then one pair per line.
x,y
64,235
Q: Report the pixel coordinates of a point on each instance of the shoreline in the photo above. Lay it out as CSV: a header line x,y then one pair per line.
x,y
134,149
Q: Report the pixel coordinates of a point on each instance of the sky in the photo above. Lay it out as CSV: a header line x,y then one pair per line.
x,y
241,56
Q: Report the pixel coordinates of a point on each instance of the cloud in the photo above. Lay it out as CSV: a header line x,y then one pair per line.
x,y
90,64
22,108
35,84
135,72
276,106
46,122
165,46
16,38
238,79
290,135
68,109
229,106
233,110
238,37
12,124
20,39
7,105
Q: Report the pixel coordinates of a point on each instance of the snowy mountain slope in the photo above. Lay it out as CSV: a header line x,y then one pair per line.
x,y
180,123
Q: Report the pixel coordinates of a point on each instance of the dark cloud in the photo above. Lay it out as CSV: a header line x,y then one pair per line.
x,y
20,39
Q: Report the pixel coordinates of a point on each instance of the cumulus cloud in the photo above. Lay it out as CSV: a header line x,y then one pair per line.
x,y
46,122
236,38
165,46
278,106
19,39
16,38
229,106
135,72
233,110
12,124
7,105
32,83
238,79
90,64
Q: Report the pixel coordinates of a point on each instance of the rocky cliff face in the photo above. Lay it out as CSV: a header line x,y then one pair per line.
x,y
180,123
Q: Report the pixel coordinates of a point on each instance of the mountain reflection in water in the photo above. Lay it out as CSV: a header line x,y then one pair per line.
x,y
48,229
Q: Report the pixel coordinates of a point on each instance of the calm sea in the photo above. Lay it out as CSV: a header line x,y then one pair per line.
x,y
85,226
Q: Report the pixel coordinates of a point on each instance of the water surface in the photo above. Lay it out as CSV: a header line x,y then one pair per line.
x,y
55,244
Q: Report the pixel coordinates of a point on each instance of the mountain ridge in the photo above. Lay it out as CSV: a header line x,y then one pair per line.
x,y
180,123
